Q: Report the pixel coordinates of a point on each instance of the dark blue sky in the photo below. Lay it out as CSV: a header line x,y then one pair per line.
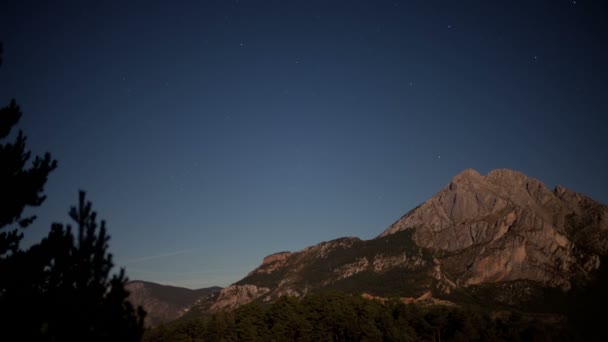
x,y
210,135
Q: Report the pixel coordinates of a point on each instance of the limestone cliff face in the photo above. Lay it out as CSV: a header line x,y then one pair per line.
x,y
489,229
272,262
507,226
345,263
235,295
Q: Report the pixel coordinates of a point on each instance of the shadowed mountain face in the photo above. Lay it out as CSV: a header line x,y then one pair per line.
x,y
166,303
503,229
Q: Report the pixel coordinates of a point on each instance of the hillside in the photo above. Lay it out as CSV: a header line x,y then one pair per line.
x,y
167,303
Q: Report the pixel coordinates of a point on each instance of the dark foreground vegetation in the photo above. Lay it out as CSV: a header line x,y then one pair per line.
x,y
338,316
61,288
552,315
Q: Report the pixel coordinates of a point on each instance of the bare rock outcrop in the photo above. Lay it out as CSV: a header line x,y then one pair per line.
x,y
323,265
272,262
504,226
235,295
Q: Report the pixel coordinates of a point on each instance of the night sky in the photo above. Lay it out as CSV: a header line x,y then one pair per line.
x,y
212,134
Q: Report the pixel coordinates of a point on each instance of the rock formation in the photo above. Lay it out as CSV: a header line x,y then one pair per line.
x,y
504,229
507,226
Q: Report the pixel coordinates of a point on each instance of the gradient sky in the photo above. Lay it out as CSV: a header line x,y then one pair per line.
x,y
214,133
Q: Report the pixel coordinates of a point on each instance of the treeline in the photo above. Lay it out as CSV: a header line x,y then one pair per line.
x,y
343,317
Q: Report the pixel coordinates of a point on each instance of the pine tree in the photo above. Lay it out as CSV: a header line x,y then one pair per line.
x,y
60,289
20,186
81,300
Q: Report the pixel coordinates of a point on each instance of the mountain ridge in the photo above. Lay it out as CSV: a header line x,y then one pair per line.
x,y
477,230
165,303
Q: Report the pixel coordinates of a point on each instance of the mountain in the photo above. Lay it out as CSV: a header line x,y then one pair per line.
x,y
166,303
503,237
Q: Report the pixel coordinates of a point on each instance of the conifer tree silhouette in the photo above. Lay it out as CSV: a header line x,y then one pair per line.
x,y
60,289
20,186
83,300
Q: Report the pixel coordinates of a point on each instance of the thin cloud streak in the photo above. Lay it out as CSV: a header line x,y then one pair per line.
x,y
204,271
159,256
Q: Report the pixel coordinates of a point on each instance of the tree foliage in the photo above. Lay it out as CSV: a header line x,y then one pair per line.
x,y
22,184
60,289
337,316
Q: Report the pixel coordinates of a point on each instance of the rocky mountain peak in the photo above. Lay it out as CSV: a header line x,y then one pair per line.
x,y
501,228
471,196
499,180
468,175
508,223
507,177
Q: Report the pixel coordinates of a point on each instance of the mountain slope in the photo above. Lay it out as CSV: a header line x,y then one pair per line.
x,y
348,264
166,303
507,226
503,229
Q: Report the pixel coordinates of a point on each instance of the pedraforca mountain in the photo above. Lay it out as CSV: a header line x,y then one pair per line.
x,y
502,229
507,226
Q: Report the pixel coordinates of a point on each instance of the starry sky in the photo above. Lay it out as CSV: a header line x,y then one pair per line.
x,y
210,134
